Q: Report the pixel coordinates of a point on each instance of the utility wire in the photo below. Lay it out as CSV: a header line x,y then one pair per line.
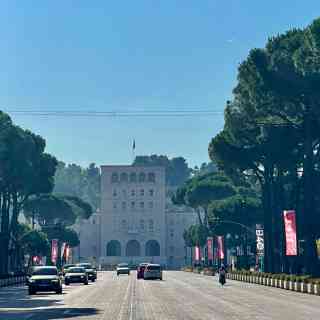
x,y
123,113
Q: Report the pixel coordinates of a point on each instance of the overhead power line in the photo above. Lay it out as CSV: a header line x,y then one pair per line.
x,y
121,113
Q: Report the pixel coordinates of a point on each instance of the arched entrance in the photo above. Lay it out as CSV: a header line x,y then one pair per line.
x,y
133,249
114,248
152,248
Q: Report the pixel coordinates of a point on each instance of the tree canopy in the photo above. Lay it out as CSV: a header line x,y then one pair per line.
x,y
177,170
25,170
271,132
83,183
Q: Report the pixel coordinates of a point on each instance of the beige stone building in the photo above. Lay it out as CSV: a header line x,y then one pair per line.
x,y
136,222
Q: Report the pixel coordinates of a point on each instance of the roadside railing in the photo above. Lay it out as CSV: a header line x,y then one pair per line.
x,y
12,280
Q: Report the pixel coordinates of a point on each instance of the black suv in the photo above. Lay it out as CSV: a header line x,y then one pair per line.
x,y
90,270
44,278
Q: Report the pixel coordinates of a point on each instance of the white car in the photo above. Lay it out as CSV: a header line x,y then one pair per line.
x,y
123,268
76,275
153,271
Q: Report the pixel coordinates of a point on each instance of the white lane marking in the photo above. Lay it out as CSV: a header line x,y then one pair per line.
x,y
123,304
131,300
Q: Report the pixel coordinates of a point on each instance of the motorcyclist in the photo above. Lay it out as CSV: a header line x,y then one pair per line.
x,y
222,274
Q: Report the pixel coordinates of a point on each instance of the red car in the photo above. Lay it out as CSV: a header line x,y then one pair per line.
x,y
140,270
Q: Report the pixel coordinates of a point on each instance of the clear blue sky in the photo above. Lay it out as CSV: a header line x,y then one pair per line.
x,y
129,55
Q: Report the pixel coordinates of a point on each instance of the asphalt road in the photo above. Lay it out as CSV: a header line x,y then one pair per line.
x,y
179,296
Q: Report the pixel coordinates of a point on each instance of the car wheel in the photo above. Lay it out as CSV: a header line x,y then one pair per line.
x,y
160,278
59,291
66,283
86,283
93,280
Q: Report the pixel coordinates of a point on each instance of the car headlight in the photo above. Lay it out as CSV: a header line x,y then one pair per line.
x,y
82,276
55,280
31,280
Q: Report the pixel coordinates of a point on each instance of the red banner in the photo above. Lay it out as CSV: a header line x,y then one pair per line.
x,y
220,247
291,232
197,254
54,250
210,248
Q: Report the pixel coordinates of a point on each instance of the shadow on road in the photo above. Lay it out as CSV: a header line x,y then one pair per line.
x,y
17,297
48,313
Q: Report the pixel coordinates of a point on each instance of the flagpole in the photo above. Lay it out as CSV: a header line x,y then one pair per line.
x,y
133,150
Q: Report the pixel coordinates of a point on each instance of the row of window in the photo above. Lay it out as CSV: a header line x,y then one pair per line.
x,y
133,193
133,205
142,225
133,177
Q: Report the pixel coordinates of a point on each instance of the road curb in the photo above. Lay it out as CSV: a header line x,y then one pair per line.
x,y
308,288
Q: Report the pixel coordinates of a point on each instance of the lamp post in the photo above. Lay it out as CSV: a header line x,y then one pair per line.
x,y
248,229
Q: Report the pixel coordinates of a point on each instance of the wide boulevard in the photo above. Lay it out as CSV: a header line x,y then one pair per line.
x,y
179,296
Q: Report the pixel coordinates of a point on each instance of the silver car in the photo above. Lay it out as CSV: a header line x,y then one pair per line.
x,y
123,268
153,271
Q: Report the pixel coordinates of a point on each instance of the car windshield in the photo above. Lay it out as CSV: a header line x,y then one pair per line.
x,y
123,265
76,270
153,268
85,265
45,272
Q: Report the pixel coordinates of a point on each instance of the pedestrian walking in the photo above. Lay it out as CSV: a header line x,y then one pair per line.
x,y
222,275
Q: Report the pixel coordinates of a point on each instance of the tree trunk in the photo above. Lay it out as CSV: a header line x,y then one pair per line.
x,y
312,263
4,234
267,217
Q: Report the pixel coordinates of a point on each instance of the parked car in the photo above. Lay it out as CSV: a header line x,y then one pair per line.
x,y
66,267
90,270
45,278
152,271
123,268
76,275
140,270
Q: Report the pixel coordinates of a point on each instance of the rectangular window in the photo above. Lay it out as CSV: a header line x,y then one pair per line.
x,y
114,205
124,193
150,205
133,193
133,204
151,225
114,193
124,206
141,205
141,192
151,192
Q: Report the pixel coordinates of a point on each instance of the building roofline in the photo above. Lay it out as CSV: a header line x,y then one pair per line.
x,y
131,166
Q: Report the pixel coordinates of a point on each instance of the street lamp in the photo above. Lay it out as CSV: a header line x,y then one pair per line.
x,y
248,229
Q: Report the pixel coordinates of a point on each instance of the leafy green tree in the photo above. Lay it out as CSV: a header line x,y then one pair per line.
x,y
26,170
199,191
27,241
49,210
272,131
177,170
84,183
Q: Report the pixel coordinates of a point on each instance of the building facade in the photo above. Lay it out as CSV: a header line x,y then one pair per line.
x,y
136,222
132,214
